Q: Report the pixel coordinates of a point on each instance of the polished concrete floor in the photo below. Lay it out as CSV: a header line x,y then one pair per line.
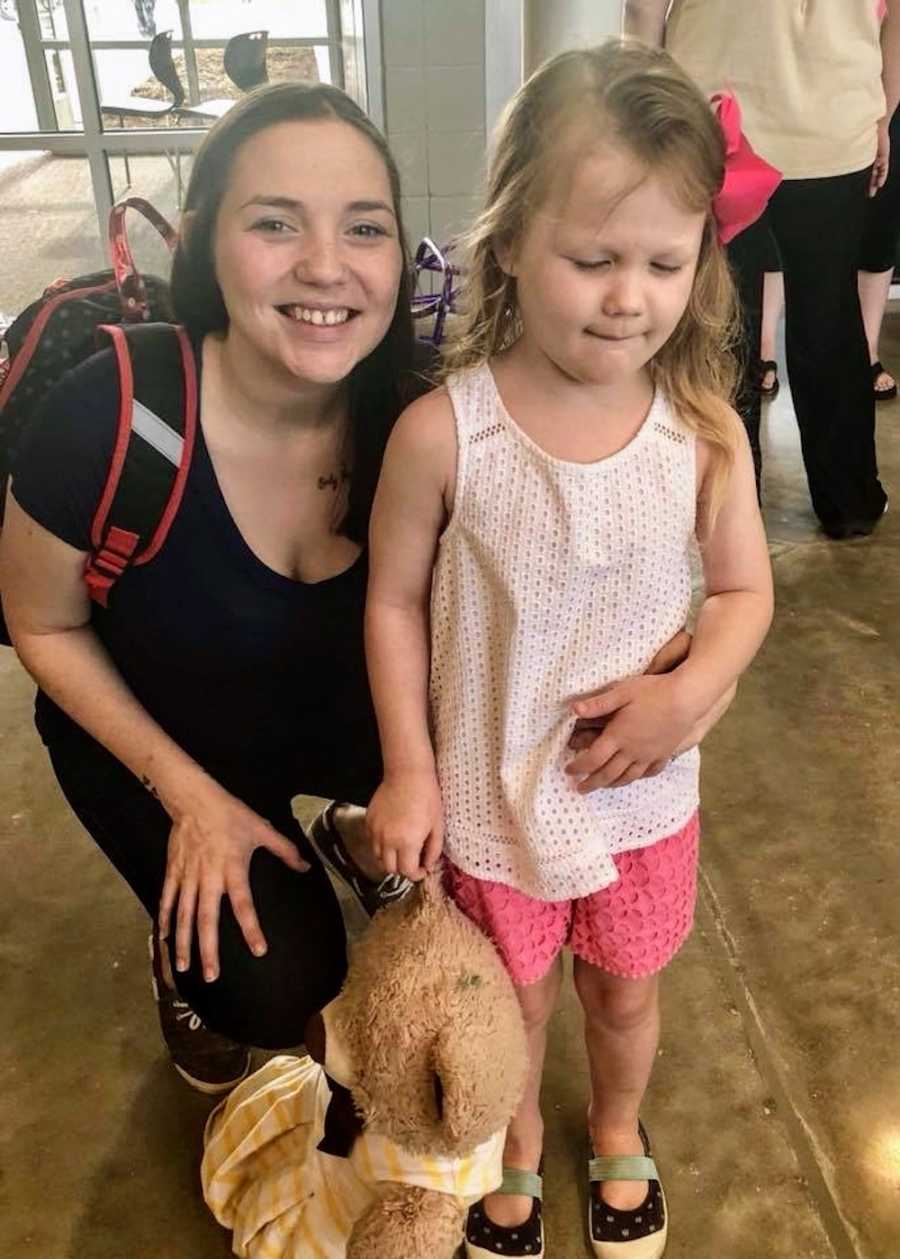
x,y
775,1106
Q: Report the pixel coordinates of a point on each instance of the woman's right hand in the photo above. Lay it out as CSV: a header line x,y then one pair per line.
x,y
211,842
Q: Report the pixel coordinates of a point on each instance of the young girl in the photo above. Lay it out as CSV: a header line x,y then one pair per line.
x,y
546,501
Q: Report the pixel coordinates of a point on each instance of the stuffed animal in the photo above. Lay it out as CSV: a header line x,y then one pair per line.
x,y
376,1150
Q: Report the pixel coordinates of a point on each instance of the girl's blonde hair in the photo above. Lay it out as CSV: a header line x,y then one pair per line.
x,y
637,99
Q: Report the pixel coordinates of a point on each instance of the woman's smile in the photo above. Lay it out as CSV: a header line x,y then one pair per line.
x,y
309,264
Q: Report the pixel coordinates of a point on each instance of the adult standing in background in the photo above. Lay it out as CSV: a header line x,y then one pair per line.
x,y
817,85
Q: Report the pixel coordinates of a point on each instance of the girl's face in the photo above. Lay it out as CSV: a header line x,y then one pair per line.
x,y
604,278
307,250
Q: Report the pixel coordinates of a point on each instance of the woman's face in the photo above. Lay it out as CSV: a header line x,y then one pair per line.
x,y
307,249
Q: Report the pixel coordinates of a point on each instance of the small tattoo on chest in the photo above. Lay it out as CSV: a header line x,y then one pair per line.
x,y
334,480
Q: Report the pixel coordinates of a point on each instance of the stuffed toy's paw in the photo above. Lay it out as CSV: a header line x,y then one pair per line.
x,y
408,1223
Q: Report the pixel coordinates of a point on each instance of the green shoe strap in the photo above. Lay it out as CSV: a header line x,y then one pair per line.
x,y
526,1184
625,1167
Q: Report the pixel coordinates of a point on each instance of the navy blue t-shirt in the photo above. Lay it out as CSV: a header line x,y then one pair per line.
x,y
261,679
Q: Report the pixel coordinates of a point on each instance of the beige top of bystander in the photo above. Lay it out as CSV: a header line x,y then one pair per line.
x,y
807,75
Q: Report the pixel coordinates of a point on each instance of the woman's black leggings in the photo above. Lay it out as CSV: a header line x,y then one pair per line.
x,y
261,1001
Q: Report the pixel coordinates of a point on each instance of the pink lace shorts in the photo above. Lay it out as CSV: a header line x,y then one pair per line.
x,y
631,928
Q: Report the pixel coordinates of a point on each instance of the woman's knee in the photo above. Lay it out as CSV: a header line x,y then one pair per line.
x,y
266,1001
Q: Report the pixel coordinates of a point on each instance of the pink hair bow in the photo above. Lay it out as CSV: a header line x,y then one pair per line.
x,y
749,181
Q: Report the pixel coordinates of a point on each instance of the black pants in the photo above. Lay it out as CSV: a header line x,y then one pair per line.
x,y
257,1001
817,225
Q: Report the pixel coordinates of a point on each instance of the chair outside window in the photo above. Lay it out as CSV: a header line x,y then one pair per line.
x,y
245,65
164,70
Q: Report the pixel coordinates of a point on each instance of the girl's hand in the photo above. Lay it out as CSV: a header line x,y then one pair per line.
x,y
646,721
405,821
210,846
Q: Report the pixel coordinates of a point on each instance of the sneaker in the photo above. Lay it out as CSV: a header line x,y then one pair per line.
x,y
209,1062
372,894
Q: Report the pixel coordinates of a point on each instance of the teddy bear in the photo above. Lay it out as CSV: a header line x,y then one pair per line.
x,y
374,1144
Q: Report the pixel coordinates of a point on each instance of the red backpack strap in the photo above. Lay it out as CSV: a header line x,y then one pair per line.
x,y
152,451
129,281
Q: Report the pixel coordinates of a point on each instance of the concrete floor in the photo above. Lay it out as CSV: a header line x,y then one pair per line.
x,y
775,1106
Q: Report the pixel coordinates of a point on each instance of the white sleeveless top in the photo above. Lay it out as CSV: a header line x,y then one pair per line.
x,y
552,579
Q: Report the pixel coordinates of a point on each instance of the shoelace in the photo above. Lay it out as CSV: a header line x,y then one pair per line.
x,y
184,1011
393,886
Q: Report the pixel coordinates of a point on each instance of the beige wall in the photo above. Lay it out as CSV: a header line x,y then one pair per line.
x,y
433,65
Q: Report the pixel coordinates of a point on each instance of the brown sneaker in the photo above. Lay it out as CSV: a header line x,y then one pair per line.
x,y
209,1062
371,894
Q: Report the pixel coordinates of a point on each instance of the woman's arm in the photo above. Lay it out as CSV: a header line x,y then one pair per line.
x,y
890,57
47,609
669,657
651,717
646,20
890,79
404,819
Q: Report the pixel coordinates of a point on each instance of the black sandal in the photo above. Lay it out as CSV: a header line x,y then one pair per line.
x,y
485,1239
762,367
882,395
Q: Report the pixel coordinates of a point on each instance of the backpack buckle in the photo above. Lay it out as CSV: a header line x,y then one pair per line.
x,y
108,564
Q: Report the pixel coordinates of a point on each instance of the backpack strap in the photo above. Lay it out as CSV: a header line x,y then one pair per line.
x,y
152,451
129,281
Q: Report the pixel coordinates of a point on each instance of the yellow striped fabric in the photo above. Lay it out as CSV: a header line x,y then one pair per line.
x,y
264,1179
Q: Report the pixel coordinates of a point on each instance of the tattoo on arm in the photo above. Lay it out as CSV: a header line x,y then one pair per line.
x,y
145,781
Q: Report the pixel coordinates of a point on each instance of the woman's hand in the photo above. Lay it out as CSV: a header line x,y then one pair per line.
x,y
405,821
646,720
882,163
595,712
669,657
210,845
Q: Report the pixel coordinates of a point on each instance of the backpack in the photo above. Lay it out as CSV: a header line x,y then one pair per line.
x,y
157,396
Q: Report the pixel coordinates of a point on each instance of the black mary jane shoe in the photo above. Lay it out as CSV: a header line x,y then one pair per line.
x,y
485,1239
636,1234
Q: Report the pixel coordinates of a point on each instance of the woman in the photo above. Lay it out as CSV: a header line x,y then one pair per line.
x,y
228,675
813,81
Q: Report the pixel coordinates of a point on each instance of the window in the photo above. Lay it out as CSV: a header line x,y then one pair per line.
x,y
78,93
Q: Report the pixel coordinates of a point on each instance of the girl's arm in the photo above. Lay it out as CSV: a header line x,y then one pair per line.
x,y
404,818
213,834
650,717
